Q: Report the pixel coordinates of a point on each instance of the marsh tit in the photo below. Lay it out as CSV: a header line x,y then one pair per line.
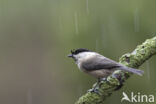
x,y
97,65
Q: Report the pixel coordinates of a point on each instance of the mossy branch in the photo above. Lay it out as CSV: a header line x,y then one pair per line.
x,y
142,53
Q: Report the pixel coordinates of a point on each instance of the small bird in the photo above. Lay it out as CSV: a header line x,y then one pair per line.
x,y
97,65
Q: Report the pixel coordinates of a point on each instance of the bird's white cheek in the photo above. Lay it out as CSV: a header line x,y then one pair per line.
x,y
79,66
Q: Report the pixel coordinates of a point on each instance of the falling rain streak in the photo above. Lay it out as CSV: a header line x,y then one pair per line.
x,y
76,23
103,36
97,46
60,23
148,69
87,8
79,90
29,96
136,20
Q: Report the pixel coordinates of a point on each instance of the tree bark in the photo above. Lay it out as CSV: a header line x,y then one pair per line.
x,y
142,53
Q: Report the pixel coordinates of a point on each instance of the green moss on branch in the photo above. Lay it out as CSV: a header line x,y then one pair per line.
x,y
135,59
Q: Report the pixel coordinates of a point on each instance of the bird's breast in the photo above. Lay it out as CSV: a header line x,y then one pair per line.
x,y
80,67
102,73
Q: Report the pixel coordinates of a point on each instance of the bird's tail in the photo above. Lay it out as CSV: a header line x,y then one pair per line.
x,y
135,71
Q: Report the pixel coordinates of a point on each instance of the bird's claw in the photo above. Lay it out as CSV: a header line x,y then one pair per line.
x,y
118,77
103,79
94,90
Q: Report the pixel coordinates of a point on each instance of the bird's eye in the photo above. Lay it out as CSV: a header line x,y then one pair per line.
x,y
72,51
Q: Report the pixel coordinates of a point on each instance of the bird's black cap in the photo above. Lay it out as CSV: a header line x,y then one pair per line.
x,y
77,51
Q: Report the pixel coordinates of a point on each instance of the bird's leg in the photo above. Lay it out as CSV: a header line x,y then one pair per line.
x,y
96,87
103,79
117,76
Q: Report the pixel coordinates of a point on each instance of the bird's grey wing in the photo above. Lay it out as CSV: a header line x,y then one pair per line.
x,y
99,62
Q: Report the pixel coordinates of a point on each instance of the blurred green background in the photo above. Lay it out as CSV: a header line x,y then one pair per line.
x,y
37,35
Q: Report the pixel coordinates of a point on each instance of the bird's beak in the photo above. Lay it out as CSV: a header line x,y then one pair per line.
x,y
70,55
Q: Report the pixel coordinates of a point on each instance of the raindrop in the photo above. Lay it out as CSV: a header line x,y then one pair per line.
x,y
103,36
60,23
148,69
134,52
29,96
87,8
79,90
136,20
152,34
97,46
76,23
